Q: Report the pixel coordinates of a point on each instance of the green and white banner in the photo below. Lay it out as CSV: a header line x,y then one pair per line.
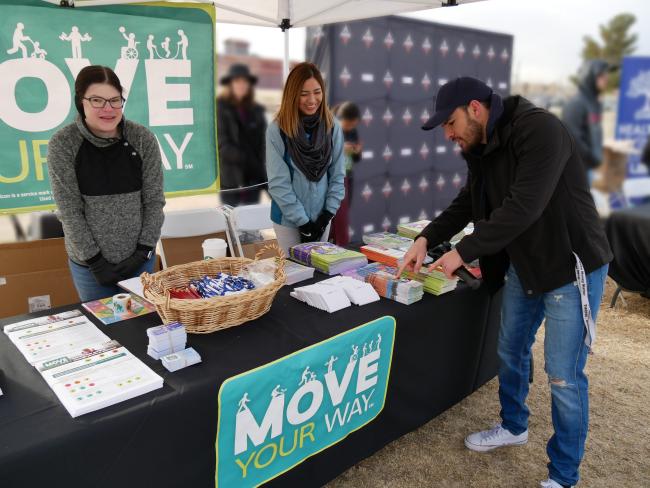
x,y
163,54
276,416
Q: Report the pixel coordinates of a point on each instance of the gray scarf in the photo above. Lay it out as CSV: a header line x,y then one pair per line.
x,y
311,149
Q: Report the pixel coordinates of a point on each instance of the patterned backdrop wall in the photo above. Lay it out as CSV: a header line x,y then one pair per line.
x,y
392,67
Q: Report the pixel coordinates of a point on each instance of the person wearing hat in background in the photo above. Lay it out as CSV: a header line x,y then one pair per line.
x,y
241,128
535,225
584,112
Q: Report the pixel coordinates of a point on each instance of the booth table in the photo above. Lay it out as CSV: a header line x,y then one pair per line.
x,y
628,232
445,348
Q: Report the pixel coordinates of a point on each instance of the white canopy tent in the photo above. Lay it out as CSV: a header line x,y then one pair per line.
x,y
285,14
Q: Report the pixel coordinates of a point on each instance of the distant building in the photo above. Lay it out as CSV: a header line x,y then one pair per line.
x,y
268,71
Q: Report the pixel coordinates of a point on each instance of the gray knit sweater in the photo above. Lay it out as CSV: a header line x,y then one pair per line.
x,y
109,192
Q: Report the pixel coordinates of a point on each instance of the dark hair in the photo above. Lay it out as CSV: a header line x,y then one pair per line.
x,y
90,75
348,111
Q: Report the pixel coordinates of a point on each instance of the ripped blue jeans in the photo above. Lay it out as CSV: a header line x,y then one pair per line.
x,y
565,355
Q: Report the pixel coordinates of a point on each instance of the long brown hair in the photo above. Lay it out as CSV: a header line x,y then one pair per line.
x,y
288,117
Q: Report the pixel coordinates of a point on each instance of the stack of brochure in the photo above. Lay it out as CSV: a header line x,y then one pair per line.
x,y
84,368
326,257
412,229
97,376
435,282
324,297
383,279
296,272
359,292
388,240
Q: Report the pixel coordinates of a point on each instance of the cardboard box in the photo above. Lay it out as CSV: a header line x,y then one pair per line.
x,y
35,274
251,249
612,173
182,250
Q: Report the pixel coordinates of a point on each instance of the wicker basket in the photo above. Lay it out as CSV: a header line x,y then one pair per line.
x,y
205,315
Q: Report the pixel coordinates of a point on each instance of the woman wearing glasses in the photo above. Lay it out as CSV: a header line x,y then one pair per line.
x,y
106,178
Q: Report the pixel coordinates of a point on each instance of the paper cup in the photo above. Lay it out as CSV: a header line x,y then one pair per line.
x,y
121,303
214,248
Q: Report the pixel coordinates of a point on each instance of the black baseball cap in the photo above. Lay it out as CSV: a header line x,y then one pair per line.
x,y
456,93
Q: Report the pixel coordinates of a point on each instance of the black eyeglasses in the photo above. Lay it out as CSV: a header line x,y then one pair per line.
x,y
99,102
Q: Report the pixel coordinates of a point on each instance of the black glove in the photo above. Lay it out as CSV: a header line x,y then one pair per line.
x,y
128,268
322,221
308,232
103,271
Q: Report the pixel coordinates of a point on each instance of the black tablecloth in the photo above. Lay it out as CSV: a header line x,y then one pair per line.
x,y
628,232
445,348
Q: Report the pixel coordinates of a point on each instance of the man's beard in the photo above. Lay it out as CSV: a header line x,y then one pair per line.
x,y
473,135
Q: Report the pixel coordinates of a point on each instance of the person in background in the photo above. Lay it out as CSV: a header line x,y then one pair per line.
x,y
241,126
349,115
583,113
107,182
305,161
537,234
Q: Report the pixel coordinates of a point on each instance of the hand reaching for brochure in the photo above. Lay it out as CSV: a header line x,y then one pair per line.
x,y
414,257
449,262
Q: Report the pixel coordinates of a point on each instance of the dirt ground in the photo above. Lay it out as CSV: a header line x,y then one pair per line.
x,y
618,446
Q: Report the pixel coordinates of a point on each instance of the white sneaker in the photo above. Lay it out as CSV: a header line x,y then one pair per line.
x,y
549,483
487,440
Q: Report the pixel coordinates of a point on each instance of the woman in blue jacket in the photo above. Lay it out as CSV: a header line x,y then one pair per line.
x,y
304,161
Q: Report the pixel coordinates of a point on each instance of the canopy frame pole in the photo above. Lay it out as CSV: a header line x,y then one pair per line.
x,y
285,26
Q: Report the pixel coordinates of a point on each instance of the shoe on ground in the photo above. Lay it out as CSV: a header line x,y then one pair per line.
x,y
549,483
487,440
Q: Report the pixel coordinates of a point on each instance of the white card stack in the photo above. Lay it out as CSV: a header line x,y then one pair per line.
x,y
359,292
297,272
325,297
182,359
166,339
98,376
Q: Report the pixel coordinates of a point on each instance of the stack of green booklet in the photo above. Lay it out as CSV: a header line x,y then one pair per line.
x,y
388,240
435,282
327,258
412,229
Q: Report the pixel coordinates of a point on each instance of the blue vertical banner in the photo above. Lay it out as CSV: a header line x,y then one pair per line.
x,y
274,417
633,118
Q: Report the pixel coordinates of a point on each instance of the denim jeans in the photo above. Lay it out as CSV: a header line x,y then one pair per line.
x,y
565,355
88,288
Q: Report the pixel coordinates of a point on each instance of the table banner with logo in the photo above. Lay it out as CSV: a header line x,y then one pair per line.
x,y
274,417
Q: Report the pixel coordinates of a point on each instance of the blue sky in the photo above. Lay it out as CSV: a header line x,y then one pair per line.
x,y
548,33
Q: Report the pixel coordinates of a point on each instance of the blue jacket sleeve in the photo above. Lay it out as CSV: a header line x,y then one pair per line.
x,y
336,173
280,185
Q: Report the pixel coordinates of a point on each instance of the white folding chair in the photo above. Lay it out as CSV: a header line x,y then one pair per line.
x,y
190,223
249,218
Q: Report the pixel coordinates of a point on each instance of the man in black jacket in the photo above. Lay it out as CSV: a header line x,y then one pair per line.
x,y
535,225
